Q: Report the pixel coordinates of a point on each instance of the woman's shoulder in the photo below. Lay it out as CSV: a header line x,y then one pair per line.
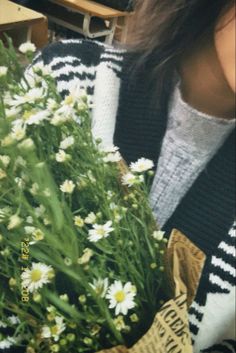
x,y
80,52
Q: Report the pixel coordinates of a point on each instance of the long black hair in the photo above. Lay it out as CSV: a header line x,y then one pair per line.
x,y
163,30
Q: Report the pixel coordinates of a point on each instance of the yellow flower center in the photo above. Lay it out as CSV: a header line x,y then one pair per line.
x,y
36,275
38,235
54,330
27,115
79,222
120,296
69,100
101,232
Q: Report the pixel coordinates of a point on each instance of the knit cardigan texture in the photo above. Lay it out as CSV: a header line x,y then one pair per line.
x,y
124,105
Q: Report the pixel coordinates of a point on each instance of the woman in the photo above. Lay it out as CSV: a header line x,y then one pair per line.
x,y
172,101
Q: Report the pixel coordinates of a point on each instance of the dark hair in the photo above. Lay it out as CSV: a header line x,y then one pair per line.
x,y
164,29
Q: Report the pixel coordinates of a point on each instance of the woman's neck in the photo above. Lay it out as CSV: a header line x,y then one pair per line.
x,y
203,83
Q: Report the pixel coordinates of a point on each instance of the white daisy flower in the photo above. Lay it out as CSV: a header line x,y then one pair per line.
x,y
51,104
39,211
110,194
14,222
67,187
33,95
118,217
7,141
158,235
91,177
119,323
27,144
5,160
12,112
29,219
67,142
113,206
4,213
3,70
142,165
47,192
3,324
7,98
141,178
58,120
64,114
18,132
61,156
100,231
41,69
82,106
91,218
75,95
110,149
34,189
7,342
85,258
21,162
121,297
2,174
128,179
112,157
27,47
78,221
36,277
69,100
29,229
33,80
37,118
100,286
37,235
14,320
19,182
46,221
55,330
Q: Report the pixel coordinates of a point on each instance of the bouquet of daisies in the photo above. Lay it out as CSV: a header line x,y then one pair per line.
x,y
81,258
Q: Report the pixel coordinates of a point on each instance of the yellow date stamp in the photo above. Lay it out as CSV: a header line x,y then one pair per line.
x,y
25,254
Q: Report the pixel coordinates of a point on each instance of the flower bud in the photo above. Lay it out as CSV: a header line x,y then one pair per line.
x,y
12,282
70,337
37,297
27,144
27,47
64,297
30,349
63,342
88,341
153,266
134,318
3,71
55,348
82,299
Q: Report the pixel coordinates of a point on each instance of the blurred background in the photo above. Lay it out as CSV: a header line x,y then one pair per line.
x,y
45,21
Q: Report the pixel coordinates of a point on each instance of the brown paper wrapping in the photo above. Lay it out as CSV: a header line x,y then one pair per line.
x,y
184,265
170,329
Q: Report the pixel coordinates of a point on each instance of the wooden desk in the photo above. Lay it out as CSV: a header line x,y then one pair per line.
x,y
91,7
87,10
14,16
